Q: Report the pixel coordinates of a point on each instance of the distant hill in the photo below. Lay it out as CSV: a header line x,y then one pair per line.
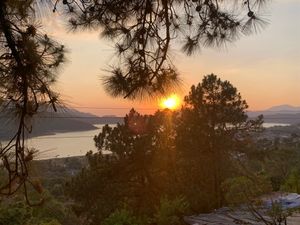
x,y
69,119
49,122
279,114
90,118
284,108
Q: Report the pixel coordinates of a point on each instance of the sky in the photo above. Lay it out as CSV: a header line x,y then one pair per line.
x,y
265,67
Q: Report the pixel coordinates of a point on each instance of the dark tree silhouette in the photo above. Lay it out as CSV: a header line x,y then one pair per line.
x,y
28,64
189,153
213,127
137,173
144,30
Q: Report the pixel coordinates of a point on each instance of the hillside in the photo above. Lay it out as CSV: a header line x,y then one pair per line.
x,y
49,122
69,119
279,114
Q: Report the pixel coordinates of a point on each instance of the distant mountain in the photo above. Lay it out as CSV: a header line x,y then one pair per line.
x,y
284,108
49,122
85,117
279,114
69,119
43,126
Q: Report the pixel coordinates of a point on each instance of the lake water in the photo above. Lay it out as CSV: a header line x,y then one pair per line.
x,y
268,125
65,144
74,143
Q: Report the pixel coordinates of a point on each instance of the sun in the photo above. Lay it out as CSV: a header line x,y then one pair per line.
x,y
171,102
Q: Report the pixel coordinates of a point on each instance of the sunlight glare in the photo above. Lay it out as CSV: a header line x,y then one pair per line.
x,y
171,102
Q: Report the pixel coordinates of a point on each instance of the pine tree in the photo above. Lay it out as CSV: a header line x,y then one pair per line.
x,y
145,30
29,61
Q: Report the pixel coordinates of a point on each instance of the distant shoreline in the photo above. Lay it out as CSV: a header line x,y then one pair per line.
x,y
49,133
65,144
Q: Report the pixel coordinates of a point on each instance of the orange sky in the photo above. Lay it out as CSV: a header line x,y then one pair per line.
x,y
265,67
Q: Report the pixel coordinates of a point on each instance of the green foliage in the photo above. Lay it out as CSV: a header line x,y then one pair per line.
x,y
292,183
281,158
14,214
51,212
166,213
278,214
121,217
50,209
246,189
52,222
171,211
278,159
213,132
136,173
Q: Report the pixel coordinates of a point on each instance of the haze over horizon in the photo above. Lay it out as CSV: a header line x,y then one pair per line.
x,y
264,66
276,109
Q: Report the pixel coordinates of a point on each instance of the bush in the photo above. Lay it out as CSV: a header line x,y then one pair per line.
x,y
292,183
121,217
243,189
171,211
14,214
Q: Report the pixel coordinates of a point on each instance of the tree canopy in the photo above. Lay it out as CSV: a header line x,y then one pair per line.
x,y
142,31
188,153
29,61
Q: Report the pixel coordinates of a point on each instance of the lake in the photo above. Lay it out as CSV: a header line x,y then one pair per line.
x,y
268,125
65,144
75,143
